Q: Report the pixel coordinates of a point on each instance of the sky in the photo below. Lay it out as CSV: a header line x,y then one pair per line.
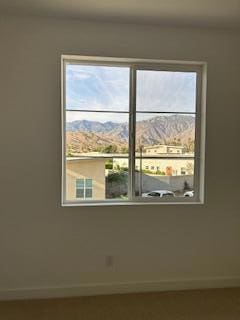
x,y
107,88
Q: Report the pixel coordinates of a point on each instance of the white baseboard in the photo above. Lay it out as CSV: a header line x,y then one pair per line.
x,y
115,288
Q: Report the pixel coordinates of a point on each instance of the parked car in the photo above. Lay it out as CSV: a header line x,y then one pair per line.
x,y
158,193
189,193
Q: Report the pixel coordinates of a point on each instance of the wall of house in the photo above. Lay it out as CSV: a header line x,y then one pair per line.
x,y
160,164
49,250
163,149
93,169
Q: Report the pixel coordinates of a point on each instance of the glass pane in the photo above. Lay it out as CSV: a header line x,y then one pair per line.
x,y
109,176
88,183
164,154
164,177
96,133
88,193
117,179
172,134
80,183
79,193
94,142
166,91
97,88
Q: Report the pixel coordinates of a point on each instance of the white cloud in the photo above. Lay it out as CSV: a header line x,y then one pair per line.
x,y
96,116
107,88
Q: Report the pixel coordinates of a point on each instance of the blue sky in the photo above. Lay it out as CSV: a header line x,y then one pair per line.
x,y
97,88
107,88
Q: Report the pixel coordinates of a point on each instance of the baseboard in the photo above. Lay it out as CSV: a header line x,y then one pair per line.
x,y
115,288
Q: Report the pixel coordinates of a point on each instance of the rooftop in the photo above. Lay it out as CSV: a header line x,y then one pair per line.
x,y
95,155
163,145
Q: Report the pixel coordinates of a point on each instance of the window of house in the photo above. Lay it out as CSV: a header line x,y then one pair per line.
x,y
119,117
183,171
80,188
84,188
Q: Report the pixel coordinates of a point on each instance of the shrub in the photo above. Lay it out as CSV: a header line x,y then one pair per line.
x,y
119,177
109,164
161,173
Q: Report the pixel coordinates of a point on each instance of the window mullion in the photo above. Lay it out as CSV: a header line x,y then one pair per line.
x,y
132,130
84,188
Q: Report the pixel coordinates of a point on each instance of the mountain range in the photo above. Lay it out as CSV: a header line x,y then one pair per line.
x,y
86,135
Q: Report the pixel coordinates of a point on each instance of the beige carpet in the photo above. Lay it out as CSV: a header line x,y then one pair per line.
x,y
215,304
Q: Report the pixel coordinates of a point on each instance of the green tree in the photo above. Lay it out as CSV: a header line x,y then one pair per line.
x,y
111,148
109,164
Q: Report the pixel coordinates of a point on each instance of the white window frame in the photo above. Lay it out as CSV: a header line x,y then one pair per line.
x,y
200,68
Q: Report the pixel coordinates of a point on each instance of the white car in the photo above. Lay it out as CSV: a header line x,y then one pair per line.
x,y
189,193
158,193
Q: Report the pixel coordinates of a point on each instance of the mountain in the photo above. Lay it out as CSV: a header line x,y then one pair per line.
x,y
78,142
91,126
85,135
161,129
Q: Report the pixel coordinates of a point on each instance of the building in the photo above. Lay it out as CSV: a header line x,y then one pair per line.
x,y
85,178
162,148
161,160
163,166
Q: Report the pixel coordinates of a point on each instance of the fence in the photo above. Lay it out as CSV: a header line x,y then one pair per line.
x,y
150,182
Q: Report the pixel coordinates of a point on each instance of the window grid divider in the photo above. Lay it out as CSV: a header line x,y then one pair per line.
x,y
132,126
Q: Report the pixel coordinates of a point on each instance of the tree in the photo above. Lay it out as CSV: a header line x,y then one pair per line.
x,y
109,164
124,150
119,177
111,148
190,168
186,186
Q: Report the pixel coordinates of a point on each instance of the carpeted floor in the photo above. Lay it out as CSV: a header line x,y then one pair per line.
x,y
217,304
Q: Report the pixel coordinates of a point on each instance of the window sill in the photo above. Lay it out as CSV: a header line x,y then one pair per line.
x,y
131,203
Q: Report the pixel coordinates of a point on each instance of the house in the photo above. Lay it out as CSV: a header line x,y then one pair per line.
x,y
161,148
161,159
81,185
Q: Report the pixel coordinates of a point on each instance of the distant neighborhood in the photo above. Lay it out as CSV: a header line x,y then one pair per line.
x,y
99,176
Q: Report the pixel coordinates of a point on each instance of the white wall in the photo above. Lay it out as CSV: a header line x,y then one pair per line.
x,y
44,245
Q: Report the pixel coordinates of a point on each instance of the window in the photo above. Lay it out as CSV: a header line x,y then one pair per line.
x,y
154,194
183,171
121,117
84,188
168,194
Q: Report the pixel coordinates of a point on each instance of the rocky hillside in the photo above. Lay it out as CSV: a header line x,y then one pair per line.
x,y
85,135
